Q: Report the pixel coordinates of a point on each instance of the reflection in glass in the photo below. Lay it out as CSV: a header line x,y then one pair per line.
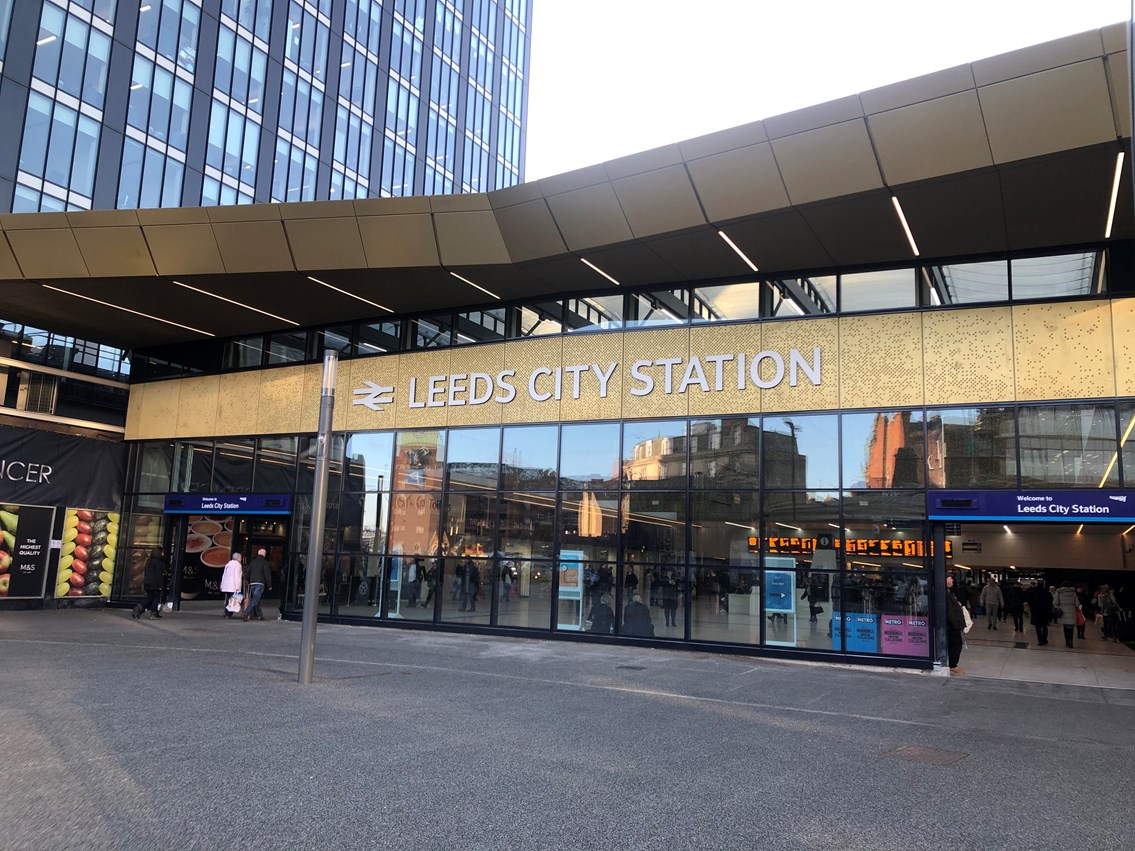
x,y
1062,276
1127,442
799,296
724,453
287,347
589,525
480,326
795,523
589,455
232,465
731,301
801,451
414,519
154,462
883,450
429,332
725,606
275,465
965,283
657,309
885,530
654,453
418,457
528,525
379,337
192,466
971,448
472,458
529,456
467,590
539,319
721,524
470,525
368,461
525,597
654,527
885,612
884,290
308,455
1068,446
594,313
244,353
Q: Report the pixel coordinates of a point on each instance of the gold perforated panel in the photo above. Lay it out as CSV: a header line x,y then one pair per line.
x,y
724,340
523,356
135,405
480,365
281,391
603,350
1123,329
419,365
1063,350
805,336
313,389
968,356
880,360
353,375
159,414
661,344
197,406
237,400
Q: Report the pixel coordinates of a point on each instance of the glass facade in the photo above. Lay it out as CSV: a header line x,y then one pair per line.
x,y
803,531
262,100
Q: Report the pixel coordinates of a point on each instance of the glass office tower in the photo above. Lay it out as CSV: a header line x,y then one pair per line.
x,y
166,103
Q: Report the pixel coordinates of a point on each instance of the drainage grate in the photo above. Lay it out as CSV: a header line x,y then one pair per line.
x,y
930,756
630,668
1021,645
196,629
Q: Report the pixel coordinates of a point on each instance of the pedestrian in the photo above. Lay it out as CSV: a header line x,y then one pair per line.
x,y
636,618
812,594
231,581
1109,608
993,600
153,580
1040,611
1066,605
259,580
602,617
1015,605
432,576
955,626
471,584
630,583
668,592
1085,610
506,582
414,582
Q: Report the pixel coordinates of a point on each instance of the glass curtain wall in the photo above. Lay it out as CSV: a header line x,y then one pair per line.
x,y
796,532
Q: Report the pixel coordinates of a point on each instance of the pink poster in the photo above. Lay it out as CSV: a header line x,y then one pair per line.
x,y
904,636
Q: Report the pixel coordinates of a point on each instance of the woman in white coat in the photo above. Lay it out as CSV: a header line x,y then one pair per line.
x,y
231,581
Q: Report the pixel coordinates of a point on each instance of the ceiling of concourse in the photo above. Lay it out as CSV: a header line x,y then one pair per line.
x,y
1016,152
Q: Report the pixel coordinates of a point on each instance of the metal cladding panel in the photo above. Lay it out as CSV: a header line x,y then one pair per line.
x,y
1038,57
959,214
1116,64
253,246
630,264
197,406
1123,329
184,249
399,241
814,117
659,201
699,253
9,268
158,415
939,84
522,357
741,182
968,356
326,243
1063,351
529,231
381,373
603,350
114,251
48,253
238,398
420,366
828,162
469,238
479,364
278,410
805,336
778,241
858,230
1055,110
728,339
590,217
649,346
880,360
928,139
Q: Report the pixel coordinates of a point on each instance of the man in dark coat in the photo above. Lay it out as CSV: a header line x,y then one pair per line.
x,y
1040,611
259,580
1015,605
955,626
636,618
153,581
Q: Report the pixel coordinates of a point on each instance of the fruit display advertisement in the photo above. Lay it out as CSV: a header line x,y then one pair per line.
x,y
208,547
25,541
89,553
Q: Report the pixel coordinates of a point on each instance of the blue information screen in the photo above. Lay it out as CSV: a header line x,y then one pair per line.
x,y
228,503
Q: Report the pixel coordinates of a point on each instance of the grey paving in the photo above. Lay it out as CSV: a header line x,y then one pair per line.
x,y
191,732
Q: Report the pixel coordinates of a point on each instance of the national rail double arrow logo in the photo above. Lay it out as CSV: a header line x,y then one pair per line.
x,y
373,396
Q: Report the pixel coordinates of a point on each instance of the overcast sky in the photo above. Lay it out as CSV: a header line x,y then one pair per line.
x,y
614,77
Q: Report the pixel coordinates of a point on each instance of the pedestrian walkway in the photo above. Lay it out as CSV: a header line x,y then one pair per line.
x,y
1007,655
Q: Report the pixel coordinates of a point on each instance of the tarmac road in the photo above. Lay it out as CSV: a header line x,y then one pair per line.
x,y
192,732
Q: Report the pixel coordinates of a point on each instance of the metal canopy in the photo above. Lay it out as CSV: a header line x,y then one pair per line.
x,y
1015,152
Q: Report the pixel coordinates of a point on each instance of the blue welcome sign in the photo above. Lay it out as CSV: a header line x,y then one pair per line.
x,y
1046,506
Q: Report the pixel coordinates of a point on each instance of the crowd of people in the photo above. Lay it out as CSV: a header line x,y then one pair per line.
x,y
1070,606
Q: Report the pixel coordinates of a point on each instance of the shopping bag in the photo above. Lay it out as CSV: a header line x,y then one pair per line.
x,y
234,603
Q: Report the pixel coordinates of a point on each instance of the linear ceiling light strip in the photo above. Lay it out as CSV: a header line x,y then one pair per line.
x,y
905,226
476,286
1115,455
237,303
352,295
738,251
128,310
1114,194
591,265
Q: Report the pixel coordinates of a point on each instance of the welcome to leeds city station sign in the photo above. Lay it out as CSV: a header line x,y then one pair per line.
x,y
1046,506
705,374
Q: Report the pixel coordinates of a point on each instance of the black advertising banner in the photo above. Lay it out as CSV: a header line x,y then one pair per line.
x,y
26,538
46,468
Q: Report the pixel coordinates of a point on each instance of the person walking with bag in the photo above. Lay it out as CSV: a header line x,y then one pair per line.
x,y
231,581
993,600
153,580
259,580
1067,604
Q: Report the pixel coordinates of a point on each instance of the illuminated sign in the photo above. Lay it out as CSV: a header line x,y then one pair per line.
x,y
879,547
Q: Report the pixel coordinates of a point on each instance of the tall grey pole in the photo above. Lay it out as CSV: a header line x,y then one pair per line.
x,y
318,515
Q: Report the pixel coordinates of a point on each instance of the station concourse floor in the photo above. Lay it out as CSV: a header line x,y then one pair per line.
x,y
1003,654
